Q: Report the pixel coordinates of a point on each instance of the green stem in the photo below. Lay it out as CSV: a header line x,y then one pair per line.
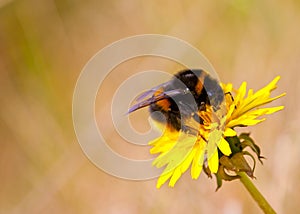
x,y
256,195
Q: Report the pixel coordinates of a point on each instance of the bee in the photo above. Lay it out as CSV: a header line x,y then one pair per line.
x,y
180,99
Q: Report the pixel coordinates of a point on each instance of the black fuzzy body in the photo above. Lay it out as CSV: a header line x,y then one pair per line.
x,y
189,99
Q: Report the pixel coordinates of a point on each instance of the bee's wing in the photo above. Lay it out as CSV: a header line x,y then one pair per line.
x,y
145,102
153,98
151,91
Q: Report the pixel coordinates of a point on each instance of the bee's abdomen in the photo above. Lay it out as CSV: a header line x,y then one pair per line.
x,y
170,116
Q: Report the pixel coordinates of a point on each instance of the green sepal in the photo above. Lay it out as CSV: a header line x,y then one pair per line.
x,y
222,175
207,171
246,140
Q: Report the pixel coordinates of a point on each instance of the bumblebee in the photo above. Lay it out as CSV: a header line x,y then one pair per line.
x,y
181,98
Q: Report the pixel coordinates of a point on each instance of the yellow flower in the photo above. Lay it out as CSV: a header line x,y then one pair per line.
x,y
178,150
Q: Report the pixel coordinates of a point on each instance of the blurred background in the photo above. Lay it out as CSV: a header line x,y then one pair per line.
x,y
43,48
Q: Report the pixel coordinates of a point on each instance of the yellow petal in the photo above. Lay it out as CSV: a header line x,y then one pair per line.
x,y
176,175
241,93
226,87
197,163
250,92
162,148
229,132
213,162
187,162
224,147
272,85
261,97
274,109
244,121
163,178
196,170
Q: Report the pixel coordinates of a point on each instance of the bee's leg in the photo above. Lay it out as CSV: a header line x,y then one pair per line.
x,y
232,99
230,95
202,106
196,117
183,124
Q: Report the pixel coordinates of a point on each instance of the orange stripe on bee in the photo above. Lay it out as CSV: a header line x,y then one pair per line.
x,y
158,92
164,103
200,82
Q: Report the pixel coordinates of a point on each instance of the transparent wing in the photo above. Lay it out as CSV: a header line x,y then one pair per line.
x,y
150,92
154,98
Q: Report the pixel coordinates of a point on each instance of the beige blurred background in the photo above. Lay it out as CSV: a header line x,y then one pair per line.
x,y
44,46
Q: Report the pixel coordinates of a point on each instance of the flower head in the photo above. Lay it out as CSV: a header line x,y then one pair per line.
x,y
217,145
